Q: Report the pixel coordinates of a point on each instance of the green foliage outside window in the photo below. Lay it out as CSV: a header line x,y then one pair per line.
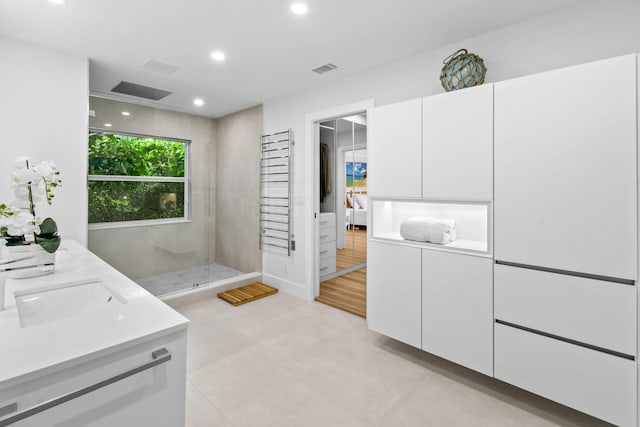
x,y
131,200
111,154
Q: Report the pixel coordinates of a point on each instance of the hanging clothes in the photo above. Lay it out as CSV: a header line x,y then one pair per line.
x,y
325,172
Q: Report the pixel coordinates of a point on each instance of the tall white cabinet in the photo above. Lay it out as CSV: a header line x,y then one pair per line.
x,y
423,163
550,304
566,236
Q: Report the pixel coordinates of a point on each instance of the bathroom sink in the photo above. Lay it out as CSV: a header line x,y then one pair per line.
x,y
37,306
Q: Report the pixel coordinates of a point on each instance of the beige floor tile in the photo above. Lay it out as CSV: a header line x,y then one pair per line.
x,y
200,412
212,340
281,361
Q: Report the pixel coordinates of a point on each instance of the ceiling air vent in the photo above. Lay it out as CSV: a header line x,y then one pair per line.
x,y
160,67
140,91
324,68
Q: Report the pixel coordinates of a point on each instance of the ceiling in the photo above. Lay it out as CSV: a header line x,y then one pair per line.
x,y
269,51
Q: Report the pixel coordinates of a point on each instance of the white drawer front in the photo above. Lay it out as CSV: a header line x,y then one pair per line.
x,y
327,250
590,381
327,220
327,235
327,266
591,311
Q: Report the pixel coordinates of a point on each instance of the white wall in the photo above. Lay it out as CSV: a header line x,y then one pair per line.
x,y
591,31
44,96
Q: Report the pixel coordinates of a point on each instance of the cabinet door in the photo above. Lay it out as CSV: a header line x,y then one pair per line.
x,y
565,169
393,291
151,397
457,308
457,150
394,150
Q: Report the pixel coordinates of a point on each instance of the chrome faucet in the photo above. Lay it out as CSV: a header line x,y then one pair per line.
x,y
6,270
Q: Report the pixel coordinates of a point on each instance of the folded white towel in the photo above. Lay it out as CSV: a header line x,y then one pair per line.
x,y
425,229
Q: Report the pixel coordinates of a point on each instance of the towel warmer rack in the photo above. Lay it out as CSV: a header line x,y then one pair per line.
x,y
276,187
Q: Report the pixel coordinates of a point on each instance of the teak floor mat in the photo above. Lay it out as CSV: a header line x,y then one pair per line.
x,y
248,293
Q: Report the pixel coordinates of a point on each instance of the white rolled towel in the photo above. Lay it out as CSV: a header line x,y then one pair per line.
x,y
425,229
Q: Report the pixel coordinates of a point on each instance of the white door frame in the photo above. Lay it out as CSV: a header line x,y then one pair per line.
x,y
312,163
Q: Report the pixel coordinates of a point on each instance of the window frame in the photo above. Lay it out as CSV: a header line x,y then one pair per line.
x,y
186,179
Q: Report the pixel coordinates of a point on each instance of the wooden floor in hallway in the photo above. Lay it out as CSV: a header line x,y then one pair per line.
x,y
348,292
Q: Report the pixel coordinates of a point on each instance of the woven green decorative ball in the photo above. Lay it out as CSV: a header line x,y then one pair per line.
x,y
462,69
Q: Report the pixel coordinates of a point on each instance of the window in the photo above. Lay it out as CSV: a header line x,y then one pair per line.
x,y
134,178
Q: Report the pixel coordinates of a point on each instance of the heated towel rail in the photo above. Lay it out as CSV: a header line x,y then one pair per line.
x,y
276,172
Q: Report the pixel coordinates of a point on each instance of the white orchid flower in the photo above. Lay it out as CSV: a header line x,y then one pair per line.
x,y
25,176
47,170
22,162
20,222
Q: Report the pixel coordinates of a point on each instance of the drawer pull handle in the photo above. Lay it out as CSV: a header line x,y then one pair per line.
x,y
324,222
324,268
324,235
323,252
568,272
567,340
159,357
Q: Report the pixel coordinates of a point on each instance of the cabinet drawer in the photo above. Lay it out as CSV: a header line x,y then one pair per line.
x,y
327,250
591,311
590,381
327,266
152,396
327,235
326,220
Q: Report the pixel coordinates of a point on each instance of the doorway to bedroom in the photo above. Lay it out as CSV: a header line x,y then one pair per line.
x,y
342,236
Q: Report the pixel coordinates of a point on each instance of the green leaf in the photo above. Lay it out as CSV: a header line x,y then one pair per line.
x,y
48,226
50,243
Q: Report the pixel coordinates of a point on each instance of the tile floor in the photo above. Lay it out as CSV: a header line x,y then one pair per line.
x,y
176,281
282,361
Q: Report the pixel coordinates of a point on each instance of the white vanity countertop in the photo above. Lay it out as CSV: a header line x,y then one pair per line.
x,y
29,352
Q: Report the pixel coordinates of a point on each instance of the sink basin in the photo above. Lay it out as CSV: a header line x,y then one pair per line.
x,y
37,306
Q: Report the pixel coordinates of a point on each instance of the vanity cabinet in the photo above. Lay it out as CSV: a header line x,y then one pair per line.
x,y
457,144
457,308
395,165
152,397
393,291
565,169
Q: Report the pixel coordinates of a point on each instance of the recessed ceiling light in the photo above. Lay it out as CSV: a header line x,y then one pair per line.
x,y
57,1
217,55
299,8
107,125
199,102
126,113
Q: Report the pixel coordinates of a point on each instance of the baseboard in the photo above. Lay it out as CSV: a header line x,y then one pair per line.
x,y
286,286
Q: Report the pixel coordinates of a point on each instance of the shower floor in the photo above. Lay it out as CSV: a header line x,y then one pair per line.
x,y
191,278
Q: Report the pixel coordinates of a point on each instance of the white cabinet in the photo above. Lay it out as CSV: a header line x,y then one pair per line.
x,y
327,241
151,397
591,381
457,152
565,169
393,291
395,149
457,308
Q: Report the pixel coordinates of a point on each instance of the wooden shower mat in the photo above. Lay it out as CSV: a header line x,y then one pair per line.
x,y
248,293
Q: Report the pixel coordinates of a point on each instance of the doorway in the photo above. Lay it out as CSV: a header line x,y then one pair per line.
x,y
342,199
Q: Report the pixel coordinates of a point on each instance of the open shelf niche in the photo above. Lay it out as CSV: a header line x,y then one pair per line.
x,y
473,222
